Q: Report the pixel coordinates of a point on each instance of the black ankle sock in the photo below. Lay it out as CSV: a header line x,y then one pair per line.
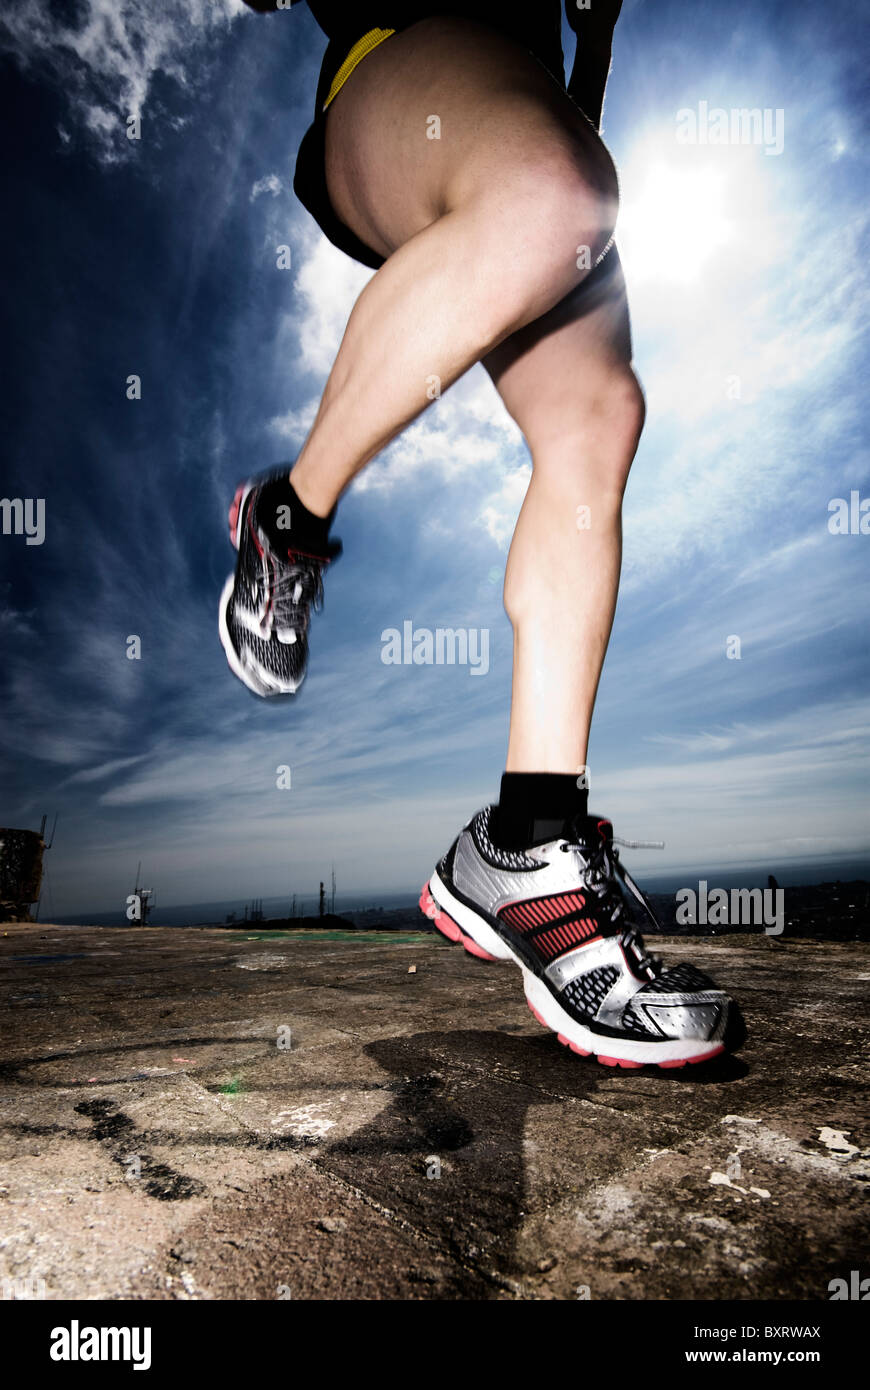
x,y
534,806
288,523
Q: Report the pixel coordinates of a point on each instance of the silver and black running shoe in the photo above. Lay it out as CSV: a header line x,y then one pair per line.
x,y
265,606
558,911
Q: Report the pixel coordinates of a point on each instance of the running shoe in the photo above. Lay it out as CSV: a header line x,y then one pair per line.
x,y
266,605
562,911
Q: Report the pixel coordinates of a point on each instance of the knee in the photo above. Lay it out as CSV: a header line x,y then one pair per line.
x,y
592,437
618,413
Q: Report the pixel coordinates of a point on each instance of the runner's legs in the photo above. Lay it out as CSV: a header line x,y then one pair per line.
x,y
481,226
567,381
482,229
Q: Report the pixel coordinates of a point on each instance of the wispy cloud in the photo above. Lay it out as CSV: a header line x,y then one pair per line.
x,y
327,283
105,56
269,183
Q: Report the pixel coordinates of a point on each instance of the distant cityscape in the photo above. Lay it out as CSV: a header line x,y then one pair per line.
x,y
833,911
836,911
836,908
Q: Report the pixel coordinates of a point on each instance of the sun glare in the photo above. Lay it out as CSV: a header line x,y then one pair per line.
x,y
672,221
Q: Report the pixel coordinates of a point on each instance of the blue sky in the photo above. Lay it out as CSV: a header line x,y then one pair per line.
x,y
157,257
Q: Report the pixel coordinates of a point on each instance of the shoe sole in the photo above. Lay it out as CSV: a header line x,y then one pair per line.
x,y
236,511
446,925
248,677
460,924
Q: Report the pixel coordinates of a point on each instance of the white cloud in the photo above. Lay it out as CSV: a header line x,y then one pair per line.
x,y
106,63
780,558
499,515
105,769
435,443
466,434
295,424
772,790
269,183
328,283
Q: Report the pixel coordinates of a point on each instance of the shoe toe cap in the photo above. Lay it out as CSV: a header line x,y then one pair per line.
x,y
682,1002
705,1020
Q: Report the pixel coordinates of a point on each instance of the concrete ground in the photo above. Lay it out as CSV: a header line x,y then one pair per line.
x,y
208,1114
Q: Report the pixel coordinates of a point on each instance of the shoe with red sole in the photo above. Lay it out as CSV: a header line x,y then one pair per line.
x,y
266,605
558,911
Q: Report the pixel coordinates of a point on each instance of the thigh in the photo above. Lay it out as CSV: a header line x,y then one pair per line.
x,y
498,115
550,372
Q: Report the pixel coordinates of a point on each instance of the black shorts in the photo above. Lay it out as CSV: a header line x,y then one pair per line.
x,y
536,26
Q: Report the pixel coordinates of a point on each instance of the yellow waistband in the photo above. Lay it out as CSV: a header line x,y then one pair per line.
x,y
355,56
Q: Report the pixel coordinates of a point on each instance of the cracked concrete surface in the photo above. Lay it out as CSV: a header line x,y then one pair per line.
x,y
199,1114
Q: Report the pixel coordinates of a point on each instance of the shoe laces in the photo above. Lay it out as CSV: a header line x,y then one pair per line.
x,y
295,587
646,960
608,878
600,873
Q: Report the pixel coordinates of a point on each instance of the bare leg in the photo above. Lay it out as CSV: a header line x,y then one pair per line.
x,y
482,226
482,230
568,383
